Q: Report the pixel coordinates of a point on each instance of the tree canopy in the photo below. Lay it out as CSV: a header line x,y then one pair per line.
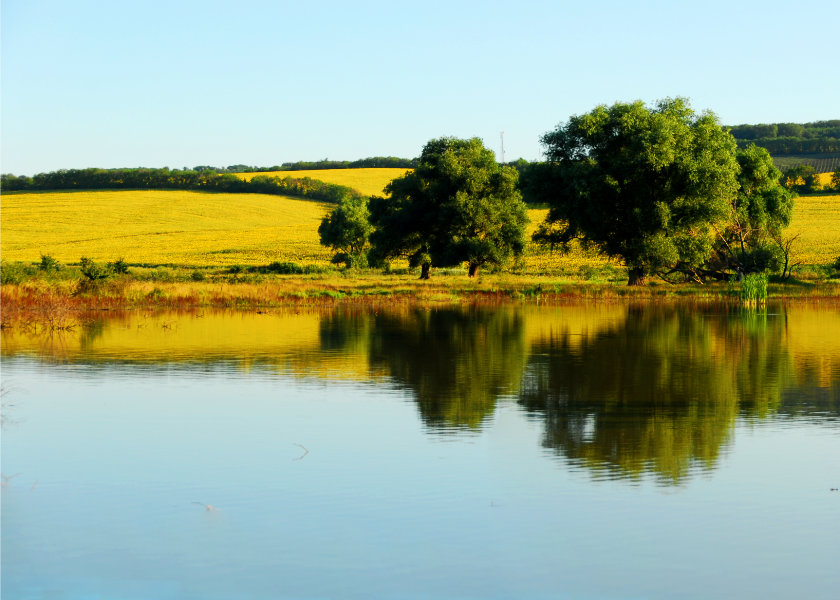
x,y
751,239
643,184
346,229
458,205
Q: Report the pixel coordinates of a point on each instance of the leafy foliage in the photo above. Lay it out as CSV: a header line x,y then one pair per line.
x,y
751,239
802,178
119,266
48,264
791,138
92,270
458,205
347,229
643,184
165,179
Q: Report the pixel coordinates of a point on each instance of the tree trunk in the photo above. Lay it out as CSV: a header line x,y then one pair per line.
x,y
636,277
424,270
473,269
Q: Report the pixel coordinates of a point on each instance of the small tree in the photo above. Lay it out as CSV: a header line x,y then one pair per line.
x,y
346,230
835,179
459,205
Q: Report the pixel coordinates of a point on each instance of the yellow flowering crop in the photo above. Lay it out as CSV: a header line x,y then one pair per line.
x,y
816,219
156,226
369,181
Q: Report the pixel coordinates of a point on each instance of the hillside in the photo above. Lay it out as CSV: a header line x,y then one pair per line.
x,y
369,181
201,229
162,227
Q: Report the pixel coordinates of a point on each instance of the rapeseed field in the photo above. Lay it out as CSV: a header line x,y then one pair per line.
x,y
162,227
816,219
195,229
369,181
206,229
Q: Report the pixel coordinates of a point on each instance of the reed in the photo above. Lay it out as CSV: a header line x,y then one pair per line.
x,y
754,289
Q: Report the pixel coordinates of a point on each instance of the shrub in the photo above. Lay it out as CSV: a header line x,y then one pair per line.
x,y
351,260
162,274
197,276
13,273
119,266
93,271
48,264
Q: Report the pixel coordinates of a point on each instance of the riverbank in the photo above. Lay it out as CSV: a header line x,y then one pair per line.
x,y
55,298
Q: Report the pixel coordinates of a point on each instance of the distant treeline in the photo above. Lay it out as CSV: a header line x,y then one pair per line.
x,y
157,179
822,163
364,163
791,138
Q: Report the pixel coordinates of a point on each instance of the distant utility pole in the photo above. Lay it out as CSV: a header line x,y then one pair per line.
x,y
502,136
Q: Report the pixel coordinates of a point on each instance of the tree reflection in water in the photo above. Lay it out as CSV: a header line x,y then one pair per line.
x,y
659,393
621,391
456,362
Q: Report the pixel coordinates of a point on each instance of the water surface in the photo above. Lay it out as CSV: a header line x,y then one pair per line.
x,y
600,451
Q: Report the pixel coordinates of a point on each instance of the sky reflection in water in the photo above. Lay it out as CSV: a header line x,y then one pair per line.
x,y
551,442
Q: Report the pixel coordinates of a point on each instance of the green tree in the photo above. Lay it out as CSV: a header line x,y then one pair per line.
x,y
458,205
835,179
757,215
643,184
346,229
802,178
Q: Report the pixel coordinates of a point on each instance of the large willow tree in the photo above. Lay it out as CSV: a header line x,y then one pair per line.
x,y
646,185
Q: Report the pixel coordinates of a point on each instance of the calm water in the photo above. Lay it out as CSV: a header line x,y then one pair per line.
x,y
565,452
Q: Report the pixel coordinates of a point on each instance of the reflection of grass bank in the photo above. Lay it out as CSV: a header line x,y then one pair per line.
x,y
180,288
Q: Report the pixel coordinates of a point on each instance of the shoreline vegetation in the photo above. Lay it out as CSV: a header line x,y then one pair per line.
x,y
62,301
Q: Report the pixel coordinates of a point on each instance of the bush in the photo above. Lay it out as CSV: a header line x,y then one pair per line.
x,y
14,273
197,276
162,274
93,271
288,268
48,264
119,266
351,260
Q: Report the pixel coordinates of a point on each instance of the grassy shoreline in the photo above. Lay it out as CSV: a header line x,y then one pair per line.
x,y
58,297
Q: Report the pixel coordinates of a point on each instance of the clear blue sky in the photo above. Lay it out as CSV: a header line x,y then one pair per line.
x,y
185,83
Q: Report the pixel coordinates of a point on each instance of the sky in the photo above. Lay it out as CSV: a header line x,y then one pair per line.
x,y
186,83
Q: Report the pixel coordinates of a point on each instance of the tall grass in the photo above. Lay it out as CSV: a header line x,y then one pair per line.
x,y
754,289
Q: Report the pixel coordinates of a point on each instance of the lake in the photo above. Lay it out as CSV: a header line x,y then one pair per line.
x,y
521,451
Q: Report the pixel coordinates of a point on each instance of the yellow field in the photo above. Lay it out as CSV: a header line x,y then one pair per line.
x,y
817,221
181,227
370,182
190,228
825,179
205,229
